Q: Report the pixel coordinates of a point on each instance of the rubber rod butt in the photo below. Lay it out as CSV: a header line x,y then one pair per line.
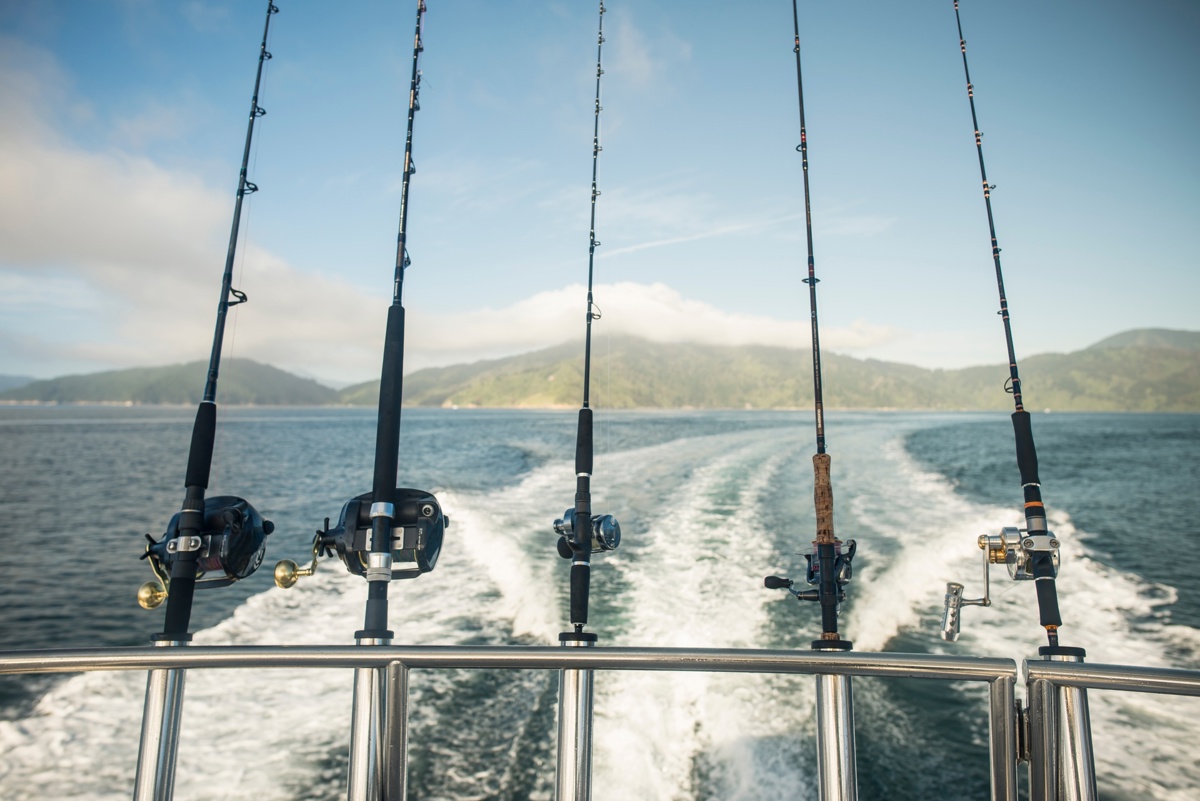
x,y
580,587
1047,596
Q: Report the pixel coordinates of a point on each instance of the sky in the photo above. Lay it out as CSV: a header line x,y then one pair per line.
x,y
122,124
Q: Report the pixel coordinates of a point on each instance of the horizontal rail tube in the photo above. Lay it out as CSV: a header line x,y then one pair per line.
x,y
1171,681
852,663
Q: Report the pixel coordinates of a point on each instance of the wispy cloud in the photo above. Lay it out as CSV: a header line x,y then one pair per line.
x,y
724,230
204,17
642,60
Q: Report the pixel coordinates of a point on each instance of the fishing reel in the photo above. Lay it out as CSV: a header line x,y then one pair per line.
x,y
843,571
606,533
231,546
418,529
1014,547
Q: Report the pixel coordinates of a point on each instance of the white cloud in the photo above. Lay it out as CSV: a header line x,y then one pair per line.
x,y
108,259
655,312
127,257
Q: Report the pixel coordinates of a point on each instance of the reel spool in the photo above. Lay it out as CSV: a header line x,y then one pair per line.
x,y
842,570
606,533
231,545
419,528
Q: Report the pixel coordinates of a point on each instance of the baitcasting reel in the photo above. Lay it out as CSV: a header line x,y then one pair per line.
x,y
842,570
606,533
1014,547
419,527
231,545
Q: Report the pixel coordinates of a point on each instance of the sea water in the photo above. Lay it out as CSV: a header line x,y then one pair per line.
x,y
709,503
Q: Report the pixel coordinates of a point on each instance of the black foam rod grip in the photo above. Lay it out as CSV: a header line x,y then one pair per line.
x,y
179,602
581,575
204,434
387,429
583,443
1047,596
1026,452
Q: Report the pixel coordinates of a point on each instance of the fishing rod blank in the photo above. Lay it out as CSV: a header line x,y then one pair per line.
x,y
1031,553
389,533
579,540
829,568
210,542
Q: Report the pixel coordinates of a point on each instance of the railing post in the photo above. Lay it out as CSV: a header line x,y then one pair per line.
x,y
573,780
363,782
1075,762
1002,738
837,764
1042,742
159,745
395,740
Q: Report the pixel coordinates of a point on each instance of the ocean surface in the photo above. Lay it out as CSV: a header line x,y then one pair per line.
x,y
709,503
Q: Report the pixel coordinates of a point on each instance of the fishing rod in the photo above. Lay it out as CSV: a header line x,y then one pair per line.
x,y
829,568
210,542
1031,553
390,533
580,532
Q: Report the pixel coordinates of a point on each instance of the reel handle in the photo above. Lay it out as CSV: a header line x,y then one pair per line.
x,y
287,572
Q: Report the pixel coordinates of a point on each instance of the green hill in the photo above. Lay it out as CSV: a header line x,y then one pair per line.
x,y
14,381
242,381
1144,370
1152,338
633,373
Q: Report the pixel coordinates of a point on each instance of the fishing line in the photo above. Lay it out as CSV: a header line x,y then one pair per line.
x,y
580,532
829,567
1038,547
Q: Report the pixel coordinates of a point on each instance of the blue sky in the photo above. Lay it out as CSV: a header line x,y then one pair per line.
x,y
122,121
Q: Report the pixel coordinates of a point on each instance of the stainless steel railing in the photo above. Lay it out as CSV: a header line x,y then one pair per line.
x,y
382,765
383,670
1061,766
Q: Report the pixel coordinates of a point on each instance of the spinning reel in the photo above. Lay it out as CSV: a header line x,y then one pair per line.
x,y
231,546
843,571
1014,547
417,533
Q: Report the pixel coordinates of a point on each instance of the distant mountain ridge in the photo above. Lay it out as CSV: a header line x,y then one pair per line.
x,y
241,382
13,381
1151,338
1141,370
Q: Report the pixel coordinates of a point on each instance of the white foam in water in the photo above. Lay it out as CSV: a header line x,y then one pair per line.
x,y
1144,743
696,583
691,570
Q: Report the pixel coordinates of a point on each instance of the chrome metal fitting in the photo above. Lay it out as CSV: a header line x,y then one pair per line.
x,y
1020,554
382,510
184,544
379,566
